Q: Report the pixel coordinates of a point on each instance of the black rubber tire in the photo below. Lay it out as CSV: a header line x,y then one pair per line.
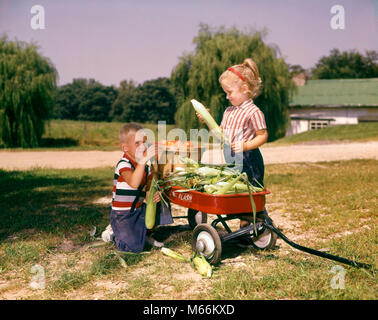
x,y
196,217
266,241
211,233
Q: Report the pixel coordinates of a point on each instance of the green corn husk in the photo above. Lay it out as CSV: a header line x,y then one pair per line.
x,y
188,162
98,244
174,255
200,263
151,206
209,120
207,172
121,261
210,188
229,185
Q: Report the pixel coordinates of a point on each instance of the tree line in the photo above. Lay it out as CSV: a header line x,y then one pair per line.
x,y
342,65
88,99
29,94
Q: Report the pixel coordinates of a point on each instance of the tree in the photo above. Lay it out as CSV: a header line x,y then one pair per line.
x,y
27,83
148,102
196,77
84,99
296,69
125,92
343,65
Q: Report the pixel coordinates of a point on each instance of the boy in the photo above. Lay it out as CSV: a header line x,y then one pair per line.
x,y
131,180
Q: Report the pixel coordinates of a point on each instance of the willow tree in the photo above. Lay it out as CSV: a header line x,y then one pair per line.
x,y
27,82
196,76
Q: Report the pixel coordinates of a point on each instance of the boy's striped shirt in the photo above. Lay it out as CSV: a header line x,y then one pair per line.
x,y
123,194
241,123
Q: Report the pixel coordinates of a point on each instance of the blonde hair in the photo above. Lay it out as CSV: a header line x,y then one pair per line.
x,y
126,129
250,74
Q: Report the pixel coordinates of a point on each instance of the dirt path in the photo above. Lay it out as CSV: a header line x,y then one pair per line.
x,y
21,160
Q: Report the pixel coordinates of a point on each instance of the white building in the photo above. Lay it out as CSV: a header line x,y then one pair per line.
x,y
322,103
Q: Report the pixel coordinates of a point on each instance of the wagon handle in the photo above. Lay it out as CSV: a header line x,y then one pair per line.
x,y
268,223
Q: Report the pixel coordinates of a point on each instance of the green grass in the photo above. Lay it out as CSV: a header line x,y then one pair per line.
x,y
46,217
84,135
361,132
80,135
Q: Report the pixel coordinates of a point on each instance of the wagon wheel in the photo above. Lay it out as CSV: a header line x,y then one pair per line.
x,y
265,241
206,241
196,217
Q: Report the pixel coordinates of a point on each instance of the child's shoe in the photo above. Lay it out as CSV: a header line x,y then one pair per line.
x,y
151,241
108,234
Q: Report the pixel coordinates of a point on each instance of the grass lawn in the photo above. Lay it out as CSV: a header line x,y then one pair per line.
x,y
84,135
361,132
80,135
46,217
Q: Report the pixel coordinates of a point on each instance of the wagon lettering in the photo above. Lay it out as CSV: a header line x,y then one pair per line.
x,y
185,197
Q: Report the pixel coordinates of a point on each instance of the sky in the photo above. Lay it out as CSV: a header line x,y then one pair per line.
x,y
115,40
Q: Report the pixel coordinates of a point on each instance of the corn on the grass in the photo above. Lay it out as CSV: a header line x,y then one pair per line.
x,y
200,263
197,261
121,261
174,255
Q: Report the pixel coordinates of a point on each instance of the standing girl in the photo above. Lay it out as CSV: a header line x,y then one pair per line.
x,y
243,122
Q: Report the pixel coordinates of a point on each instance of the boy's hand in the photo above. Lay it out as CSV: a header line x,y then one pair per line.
x,y
199,116
143,155
156,197
237,146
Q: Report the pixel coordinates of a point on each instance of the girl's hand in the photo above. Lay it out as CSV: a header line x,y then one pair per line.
x,y
199,116
237,146
156,197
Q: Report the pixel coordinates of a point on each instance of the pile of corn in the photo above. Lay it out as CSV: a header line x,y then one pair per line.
x,y
214,179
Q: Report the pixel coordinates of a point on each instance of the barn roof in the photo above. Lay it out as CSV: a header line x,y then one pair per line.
x,y
337,93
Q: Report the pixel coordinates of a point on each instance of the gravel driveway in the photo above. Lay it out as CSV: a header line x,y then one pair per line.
x,y
21,160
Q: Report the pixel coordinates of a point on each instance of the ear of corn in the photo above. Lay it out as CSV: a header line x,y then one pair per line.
x,y
151,206
174,255
209,120
229,185
200,263
207,172
121,261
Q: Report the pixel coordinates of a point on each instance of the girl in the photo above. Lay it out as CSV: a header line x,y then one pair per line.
x,y
243,122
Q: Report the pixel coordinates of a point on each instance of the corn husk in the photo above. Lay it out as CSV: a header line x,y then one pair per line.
x,y
151,206
200,263
174,255
209,120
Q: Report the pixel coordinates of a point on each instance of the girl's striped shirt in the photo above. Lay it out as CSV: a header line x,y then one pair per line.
x,y
241,123
123,194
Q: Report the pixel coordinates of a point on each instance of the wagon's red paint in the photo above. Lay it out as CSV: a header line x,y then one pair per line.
x,y
217,204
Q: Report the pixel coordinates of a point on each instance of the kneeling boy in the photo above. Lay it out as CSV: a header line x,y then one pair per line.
x,y
132,178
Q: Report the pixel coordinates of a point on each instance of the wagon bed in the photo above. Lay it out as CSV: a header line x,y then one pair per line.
x,y
217,204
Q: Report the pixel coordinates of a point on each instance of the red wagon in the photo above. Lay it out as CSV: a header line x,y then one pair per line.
x,y
206,239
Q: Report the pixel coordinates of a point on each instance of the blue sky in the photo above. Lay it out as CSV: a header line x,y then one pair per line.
x,y
115,40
